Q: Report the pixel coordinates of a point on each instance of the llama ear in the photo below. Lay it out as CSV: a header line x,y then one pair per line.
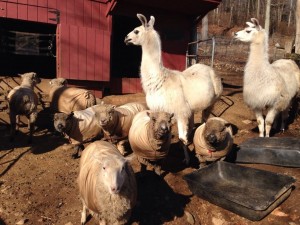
x,y
250,24
255,22
151,21
142,18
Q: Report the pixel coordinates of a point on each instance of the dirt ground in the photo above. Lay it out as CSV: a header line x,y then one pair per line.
x,y
38,181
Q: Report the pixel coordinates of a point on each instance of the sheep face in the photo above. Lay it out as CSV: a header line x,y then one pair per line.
x,y
138,35
30,78
160,124
58,82
104,115
114,174
250,33
215,132
61,121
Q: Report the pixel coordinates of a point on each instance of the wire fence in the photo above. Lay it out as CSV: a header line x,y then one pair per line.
x,y
231,54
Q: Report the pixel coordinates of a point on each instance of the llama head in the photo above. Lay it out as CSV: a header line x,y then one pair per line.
x,y
138,35
253,33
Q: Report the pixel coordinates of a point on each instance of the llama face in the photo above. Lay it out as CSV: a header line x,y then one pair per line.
x,y
250,32
137,36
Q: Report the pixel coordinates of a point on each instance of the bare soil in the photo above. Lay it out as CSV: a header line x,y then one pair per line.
x,y
38,181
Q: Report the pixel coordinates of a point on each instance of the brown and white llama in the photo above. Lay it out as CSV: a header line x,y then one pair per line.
x,y
267,86
181,93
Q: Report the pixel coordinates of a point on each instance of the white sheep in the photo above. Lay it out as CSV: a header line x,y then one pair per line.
x,y
213,140
80,126
107,184
23,101
181,93
267,86
150,137
68,99
116,121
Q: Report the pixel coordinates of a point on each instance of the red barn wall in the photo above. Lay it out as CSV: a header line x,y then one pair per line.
x,y
83,33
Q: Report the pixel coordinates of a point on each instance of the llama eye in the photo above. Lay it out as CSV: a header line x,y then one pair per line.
x,y
136,31
248,31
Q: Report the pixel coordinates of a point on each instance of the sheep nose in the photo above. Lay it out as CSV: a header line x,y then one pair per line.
x,y
114,190
164,127
60,126
211,138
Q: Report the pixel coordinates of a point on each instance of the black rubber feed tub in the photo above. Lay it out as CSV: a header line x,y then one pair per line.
x,y
279,151
248,192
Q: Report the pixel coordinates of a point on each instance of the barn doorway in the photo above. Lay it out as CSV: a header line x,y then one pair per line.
x,y
125,60
27,47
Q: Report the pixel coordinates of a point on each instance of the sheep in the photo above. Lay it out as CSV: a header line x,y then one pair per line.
x,y
107,184
116,121
80,126
22,100
68,99
181,93
267,86
150,137
213,140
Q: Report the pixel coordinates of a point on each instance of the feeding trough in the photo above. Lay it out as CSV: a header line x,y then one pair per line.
x,y
280,151
248,192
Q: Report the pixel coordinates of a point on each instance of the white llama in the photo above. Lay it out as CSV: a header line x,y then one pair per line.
x,y
267,86
198,87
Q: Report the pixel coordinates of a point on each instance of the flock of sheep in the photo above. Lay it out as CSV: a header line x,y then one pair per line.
x,y
106,181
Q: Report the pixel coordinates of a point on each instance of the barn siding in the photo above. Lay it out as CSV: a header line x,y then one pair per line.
x,y
83,45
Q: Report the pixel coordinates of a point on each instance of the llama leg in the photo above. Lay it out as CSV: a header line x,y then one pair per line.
x,y
272,113
183,134
83,214
284,116
260,122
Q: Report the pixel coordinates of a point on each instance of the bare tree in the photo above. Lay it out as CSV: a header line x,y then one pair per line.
x,y
267,16
297,41
204,30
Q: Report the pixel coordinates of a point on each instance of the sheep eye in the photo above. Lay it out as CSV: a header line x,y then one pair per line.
x,y
136,31
248,31
103,167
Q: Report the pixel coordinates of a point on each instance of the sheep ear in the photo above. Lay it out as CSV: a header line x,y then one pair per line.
x,y
65,82
70,115
151,21
20,75
148,114
142,18
171,115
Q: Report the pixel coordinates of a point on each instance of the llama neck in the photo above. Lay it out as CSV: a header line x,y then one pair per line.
x,y
259,53
152,70
151,57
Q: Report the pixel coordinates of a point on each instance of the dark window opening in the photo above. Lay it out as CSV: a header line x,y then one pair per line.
x,y
27,47
125,60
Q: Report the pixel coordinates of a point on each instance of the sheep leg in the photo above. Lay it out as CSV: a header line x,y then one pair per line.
x,y
83,214
183,134
272,113
12,118
260,122
17,122
31,121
